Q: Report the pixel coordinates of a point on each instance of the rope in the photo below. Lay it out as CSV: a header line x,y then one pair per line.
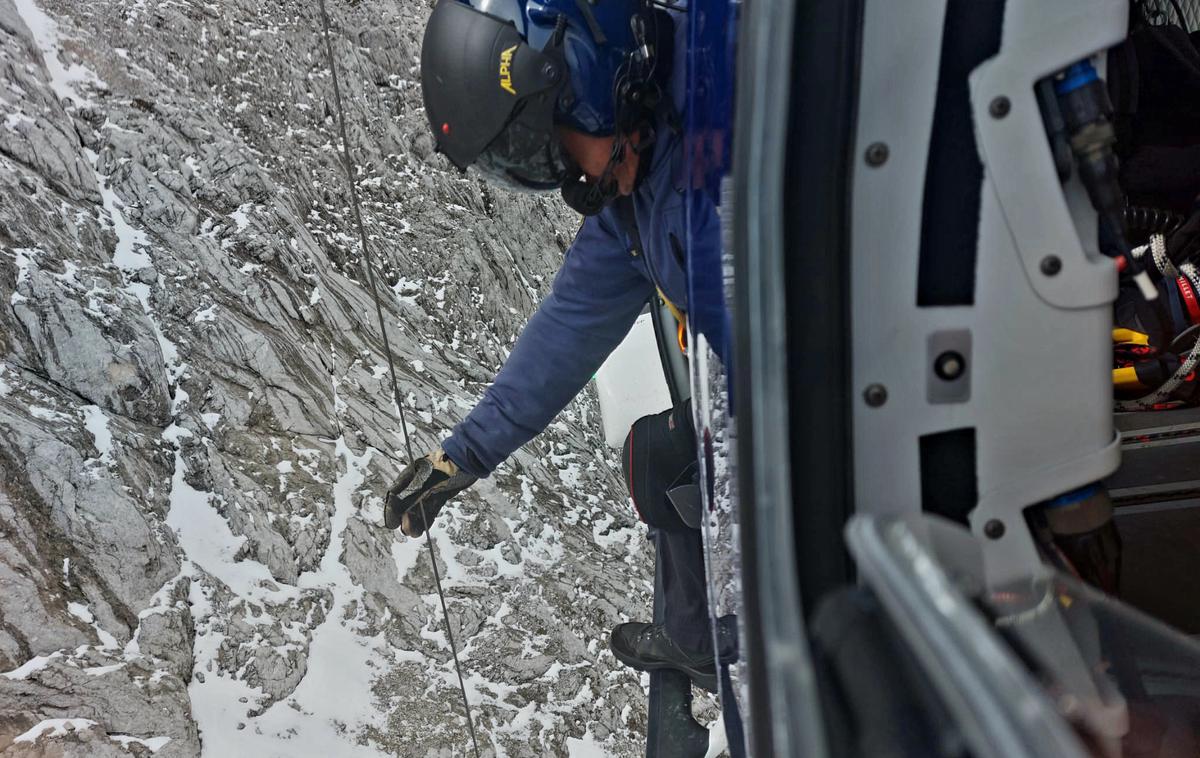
x,y
1188,271
387,348
1157,249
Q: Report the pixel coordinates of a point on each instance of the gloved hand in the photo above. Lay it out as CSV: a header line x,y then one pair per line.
x,y
422,488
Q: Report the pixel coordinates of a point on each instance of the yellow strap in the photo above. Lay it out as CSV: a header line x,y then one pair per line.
x,y
678,314
680,319
1130,336
1126,378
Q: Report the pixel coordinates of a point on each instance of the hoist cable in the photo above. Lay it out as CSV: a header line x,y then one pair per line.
x,y
348,161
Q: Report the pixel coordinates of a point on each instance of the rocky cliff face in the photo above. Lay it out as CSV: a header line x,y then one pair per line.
x,y
195,425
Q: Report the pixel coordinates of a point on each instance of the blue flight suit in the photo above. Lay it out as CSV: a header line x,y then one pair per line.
x,y
601,288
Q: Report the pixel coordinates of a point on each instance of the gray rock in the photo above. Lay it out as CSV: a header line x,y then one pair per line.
x,y
110,358
32,615
88,532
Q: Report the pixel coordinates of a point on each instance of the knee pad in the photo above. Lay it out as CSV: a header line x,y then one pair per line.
x,y
660,454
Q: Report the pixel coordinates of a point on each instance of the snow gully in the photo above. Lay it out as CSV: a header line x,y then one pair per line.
x,y
368,264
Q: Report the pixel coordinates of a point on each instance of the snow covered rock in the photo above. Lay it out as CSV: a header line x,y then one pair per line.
x,y
196,420
167,633
48,709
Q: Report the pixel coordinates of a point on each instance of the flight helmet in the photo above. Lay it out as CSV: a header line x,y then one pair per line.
x,y
498,77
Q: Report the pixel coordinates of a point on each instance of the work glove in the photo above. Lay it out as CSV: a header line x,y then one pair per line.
x,y
422,488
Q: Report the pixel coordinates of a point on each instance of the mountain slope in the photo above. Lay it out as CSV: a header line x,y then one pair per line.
x,y
195,425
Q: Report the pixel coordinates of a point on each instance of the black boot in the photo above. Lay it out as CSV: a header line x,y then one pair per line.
x,y
646,647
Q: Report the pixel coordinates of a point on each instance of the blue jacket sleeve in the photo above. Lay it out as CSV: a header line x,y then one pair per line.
x,y
596,296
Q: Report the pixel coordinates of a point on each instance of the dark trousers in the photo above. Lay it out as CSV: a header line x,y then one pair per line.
x,y
685,594
660,454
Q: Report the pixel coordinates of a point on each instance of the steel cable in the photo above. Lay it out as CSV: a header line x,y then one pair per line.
x,y
348,162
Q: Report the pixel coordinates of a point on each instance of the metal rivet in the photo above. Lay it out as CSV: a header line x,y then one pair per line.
x,y
875,395
877,154
1000,107
550,71
1051,265
950,365
994,529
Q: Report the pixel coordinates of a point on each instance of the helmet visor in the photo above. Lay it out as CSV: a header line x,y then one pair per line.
x,y
526,155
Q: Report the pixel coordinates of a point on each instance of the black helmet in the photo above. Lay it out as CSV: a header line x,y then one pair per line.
x,y
498,76
491,98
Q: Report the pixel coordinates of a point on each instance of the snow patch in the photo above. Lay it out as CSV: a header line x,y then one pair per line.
x,y
64,80
70,273
407,289
81,612
46,414
13,120
84,614
102,670
718,743
126,256
585,747
241,216
26,259
326,712
405,554
96,421
55,728
154,744
208,314
31,666
208,541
